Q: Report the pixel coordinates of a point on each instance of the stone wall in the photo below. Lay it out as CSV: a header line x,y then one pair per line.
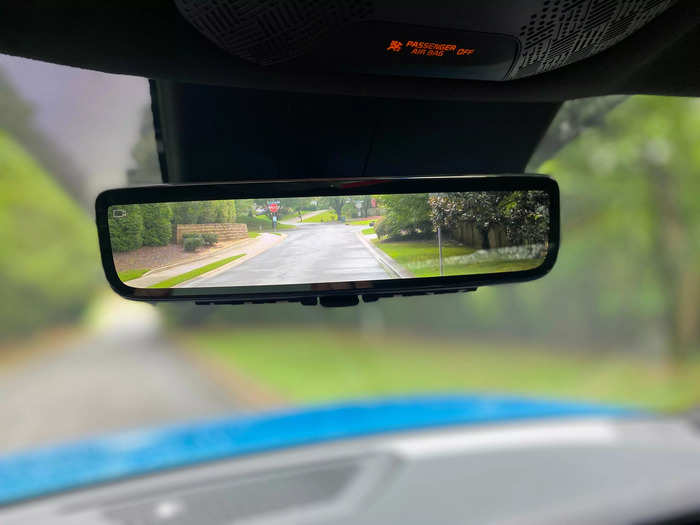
x,y
226,231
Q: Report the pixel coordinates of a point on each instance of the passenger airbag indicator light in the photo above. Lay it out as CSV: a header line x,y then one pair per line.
x,y
428,49
397,49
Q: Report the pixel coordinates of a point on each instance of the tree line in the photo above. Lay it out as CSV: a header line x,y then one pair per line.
x,y
155,224
522,217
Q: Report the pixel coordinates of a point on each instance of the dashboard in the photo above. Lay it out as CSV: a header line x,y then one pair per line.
x,y
574,470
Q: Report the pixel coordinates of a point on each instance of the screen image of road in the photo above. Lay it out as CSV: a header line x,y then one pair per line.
x,y
306,240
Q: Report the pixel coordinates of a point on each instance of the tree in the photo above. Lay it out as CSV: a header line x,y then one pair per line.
x,y
146,168
157,226
49,262
572,119
335,203
637,177
406,215
126,231
17,119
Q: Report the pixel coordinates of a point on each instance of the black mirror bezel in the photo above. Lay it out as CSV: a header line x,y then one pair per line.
x,y
325,187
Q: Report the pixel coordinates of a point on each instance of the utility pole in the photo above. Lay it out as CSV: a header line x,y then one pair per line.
x,y
442,272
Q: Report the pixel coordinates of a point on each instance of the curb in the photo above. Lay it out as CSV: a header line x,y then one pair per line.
x,y
394,269
243,242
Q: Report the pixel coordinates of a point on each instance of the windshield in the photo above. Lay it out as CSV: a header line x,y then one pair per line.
x,y
617,321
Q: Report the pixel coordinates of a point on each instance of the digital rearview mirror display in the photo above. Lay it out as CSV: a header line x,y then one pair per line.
x,y
330,240
304,240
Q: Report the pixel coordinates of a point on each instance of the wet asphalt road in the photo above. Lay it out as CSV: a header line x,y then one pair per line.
x,y
312,253
123,374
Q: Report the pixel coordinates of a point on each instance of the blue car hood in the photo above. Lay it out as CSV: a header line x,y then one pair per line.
x,y
78,464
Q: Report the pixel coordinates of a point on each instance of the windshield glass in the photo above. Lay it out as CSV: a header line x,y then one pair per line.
x,y
617,321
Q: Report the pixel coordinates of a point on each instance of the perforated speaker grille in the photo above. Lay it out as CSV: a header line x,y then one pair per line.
x,y
270,31
552,33
565,31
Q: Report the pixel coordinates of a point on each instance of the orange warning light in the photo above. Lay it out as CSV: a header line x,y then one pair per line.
x,y
429,49
395,46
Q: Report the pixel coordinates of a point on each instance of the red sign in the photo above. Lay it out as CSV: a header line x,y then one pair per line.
x,y
274,207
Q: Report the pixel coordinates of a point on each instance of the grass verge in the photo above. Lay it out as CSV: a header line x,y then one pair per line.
x,y
305,365
368,231
128,275
169,283
324,216
421,258
362,222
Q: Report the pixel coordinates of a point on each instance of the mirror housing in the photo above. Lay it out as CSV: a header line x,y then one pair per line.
x,y
504,193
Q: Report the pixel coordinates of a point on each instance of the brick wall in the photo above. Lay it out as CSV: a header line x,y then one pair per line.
x,y
225,231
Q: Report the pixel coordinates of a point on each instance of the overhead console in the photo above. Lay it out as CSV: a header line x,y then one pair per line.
x,y
483,40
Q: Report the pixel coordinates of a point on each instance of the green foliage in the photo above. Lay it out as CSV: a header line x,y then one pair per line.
x,y
49,264
632,216
523,214
407,216
210,239
157,224
202,212
334,203
126,232
193,242
349,211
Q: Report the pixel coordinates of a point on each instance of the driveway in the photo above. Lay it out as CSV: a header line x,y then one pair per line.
x,y
123,374
311,253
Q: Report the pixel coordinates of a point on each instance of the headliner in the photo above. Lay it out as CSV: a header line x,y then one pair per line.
x,y
149,38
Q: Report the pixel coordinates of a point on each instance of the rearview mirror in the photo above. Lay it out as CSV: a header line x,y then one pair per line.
x,y
331,239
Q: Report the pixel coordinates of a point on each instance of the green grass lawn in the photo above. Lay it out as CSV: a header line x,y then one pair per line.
x,y
305,365
253,235
360,222
261,223
128,275
169,283
324,216
421,258
368,231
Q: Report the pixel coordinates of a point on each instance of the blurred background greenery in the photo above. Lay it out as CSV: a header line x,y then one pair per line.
x,y
618,319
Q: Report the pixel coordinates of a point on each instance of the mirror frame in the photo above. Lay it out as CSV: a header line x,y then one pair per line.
x,y
310,293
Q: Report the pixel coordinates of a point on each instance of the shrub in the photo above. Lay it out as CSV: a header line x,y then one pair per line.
x,y
192,243
157,228
384,228
126,232
210,239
